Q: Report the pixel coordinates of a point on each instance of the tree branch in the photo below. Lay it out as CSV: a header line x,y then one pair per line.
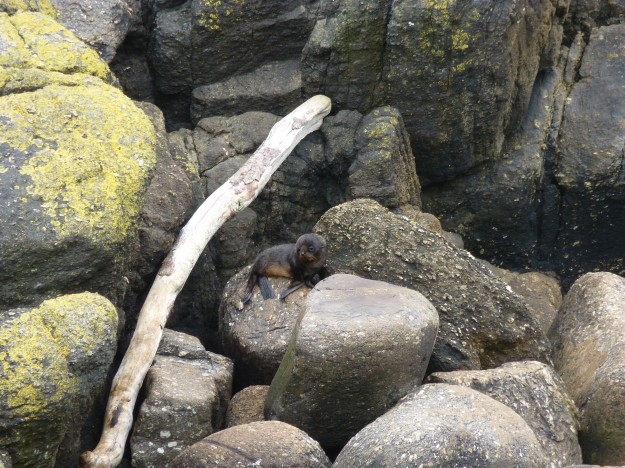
x,y
234,195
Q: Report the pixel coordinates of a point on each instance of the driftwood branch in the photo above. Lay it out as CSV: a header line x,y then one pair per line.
x,y
234,195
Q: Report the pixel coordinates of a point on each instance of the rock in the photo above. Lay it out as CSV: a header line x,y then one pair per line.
x,y
266,443
14,6
231,37
534,391
186,394
247,406
502,208
429,61
358,347
41,52
66,220
384,168
482,322
102,24
256,336
5,460
56,358
589,347
542,293
274,87
590,161
444,425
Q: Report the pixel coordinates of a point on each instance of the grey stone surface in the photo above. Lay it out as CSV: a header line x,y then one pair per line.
x,y
359,345
589,353
444,425
247,405
482,322
187,390
534,391
265,443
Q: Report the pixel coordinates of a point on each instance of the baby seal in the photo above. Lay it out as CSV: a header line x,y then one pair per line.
x,y
303,262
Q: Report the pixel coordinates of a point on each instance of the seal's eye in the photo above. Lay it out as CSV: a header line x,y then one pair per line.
x,y
311,248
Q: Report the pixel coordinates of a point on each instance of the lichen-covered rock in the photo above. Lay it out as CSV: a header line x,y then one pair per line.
x,y
589,354
55,361
15,6
265,443
444,425
590,161
534,391
186,394
357,348
76,162
102,24
482,322
247,406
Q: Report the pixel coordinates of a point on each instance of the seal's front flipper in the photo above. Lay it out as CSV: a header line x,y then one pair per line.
x,y
265,288
292,288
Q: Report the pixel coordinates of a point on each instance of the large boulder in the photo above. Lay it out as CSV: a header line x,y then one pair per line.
x,y
77,157
264,443
538,395
358,346
186,395
55,361
444,425
590,161
589,353
482,322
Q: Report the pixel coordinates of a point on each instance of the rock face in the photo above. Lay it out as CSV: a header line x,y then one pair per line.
x,y
589,337
424,52
538,395
266,443
444,425
186,394
358,347
590,160
56,358
67,217
482,323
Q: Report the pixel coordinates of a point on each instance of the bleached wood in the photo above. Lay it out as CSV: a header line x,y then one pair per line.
x,y
234,195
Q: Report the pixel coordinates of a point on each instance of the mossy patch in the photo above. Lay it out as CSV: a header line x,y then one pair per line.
x,y
94,151
57,48
13,51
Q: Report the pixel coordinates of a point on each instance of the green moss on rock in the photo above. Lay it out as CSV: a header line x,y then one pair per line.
x,y
93,152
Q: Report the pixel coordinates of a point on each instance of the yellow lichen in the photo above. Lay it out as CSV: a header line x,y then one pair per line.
x,y
211,14
14,53
35,345
57,48
94,151
14,6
